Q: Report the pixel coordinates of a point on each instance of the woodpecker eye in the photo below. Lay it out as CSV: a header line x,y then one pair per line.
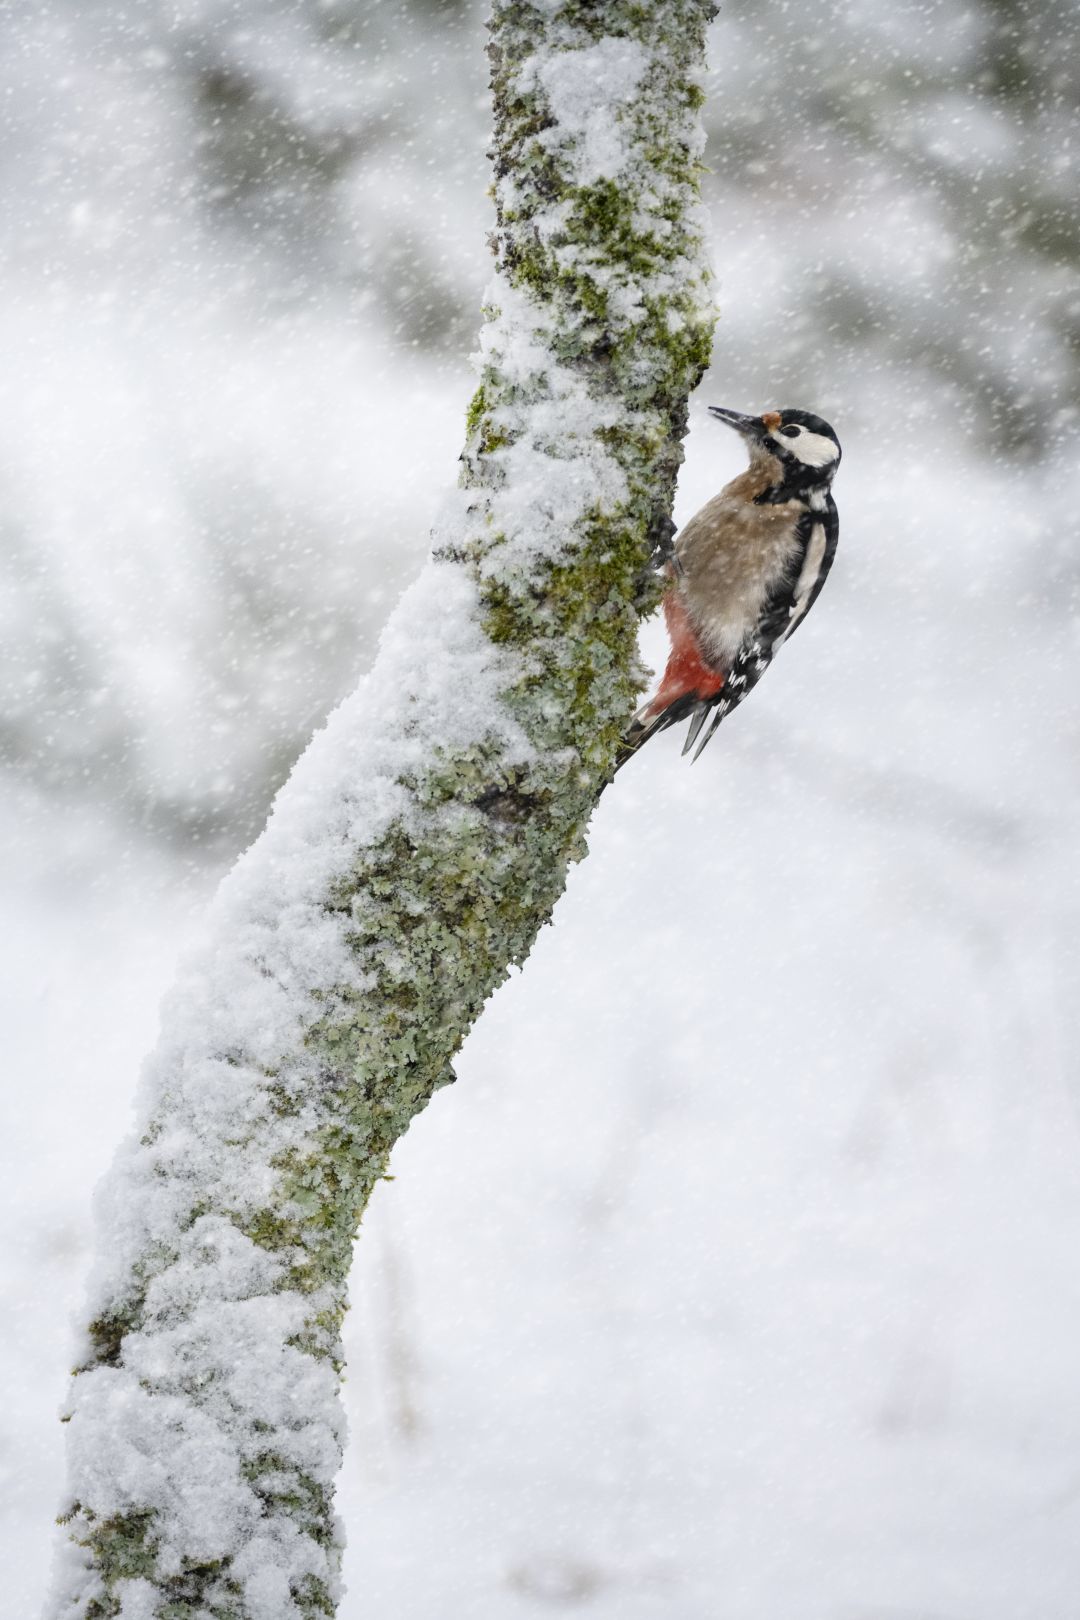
x,y
791,432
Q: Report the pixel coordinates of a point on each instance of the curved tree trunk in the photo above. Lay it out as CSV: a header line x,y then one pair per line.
x,y
411,858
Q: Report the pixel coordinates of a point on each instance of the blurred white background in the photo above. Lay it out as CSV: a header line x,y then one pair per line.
x,y
735,1279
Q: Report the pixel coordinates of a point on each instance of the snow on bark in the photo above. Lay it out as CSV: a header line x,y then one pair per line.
x,y
411,858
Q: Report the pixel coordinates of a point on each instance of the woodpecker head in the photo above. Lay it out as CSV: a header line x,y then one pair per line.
x,y
805,446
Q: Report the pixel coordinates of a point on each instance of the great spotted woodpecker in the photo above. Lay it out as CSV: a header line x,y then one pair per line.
x,y
745,571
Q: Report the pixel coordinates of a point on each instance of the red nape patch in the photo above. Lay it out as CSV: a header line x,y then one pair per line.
x,y
687,673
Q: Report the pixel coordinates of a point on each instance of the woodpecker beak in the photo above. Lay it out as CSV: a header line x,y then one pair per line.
x,y
751,427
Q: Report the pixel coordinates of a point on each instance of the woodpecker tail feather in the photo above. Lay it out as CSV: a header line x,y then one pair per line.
x,y
637,732
721,708
697,720
649,720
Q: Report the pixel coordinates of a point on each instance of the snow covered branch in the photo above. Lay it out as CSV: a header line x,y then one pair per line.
x,y
418,847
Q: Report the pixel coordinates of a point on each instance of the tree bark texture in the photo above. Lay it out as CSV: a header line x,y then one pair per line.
x,y
409,861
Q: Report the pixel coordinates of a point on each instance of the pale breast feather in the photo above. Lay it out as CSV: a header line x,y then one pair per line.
x,y
736,556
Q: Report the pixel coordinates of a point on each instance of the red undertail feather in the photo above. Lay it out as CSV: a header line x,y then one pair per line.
x,y
687,674
688,684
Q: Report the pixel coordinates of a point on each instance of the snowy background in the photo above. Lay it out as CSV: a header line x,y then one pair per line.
x,y
736,1278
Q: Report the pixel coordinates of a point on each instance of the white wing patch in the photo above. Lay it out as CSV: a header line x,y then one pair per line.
x,y
808,578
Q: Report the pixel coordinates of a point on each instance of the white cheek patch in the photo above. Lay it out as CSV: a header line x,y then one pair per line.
x,y
812,449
